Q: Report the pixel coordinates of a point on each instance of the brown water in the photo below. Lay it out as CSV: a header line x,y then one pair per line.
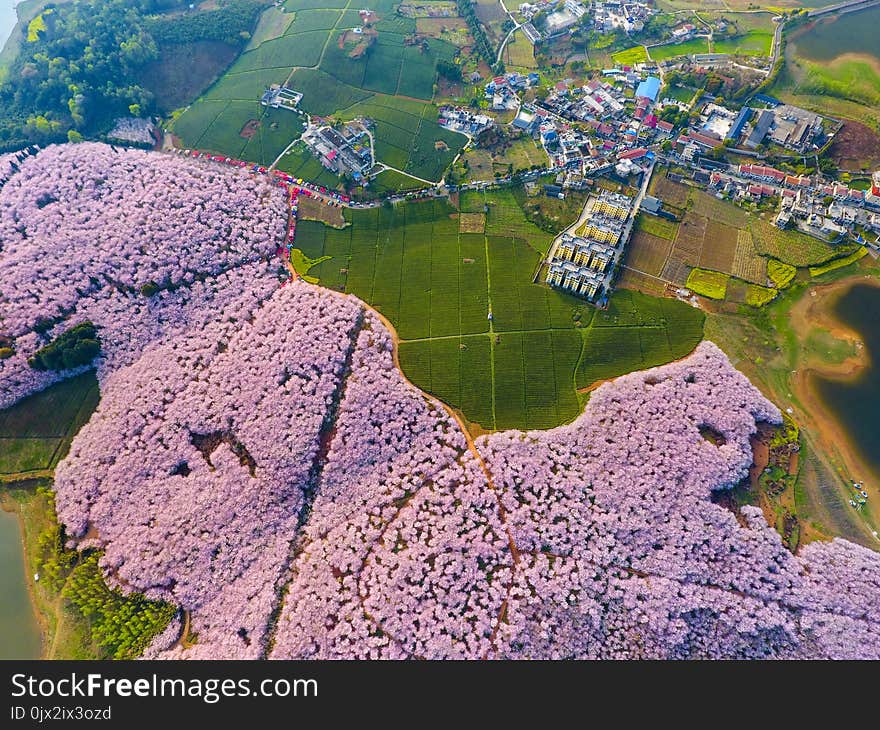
x,y
856,403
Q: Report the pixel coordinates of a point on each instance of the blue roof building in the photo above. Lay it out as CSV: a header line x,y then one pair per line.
x,y
736,129
767,99
649,88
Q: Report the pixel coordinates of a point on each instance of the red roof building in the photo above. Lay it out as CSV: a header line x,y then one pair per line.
x,y
633,154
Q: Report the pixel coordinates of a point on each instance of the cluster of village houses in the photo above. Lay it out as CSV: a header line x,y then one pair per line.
x,y
583,263
783,125
502,92
347,151
595,127
816,207
555,19
280,97
463,121
629,17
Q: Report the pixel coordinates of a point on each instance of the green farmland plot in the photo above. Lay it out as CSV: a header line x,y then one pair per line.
x,y
752,43
298,5
674,50
392,83
437,286
35,434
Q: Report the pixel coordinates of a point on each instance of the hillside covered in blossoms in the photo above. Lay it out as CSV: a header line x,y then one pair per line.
x,y
259,461
142,245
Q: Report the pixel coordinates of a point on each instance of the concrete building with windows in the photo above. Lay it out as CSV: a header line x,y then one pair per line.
x,y
612,205
576,279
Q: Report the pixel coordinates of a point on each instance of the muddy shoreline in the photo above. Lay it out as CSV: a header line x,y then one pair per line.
x,y
816,310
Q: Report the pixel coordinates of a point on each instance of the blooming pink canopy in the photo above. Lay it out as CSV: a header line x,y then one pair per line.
x,y
258,459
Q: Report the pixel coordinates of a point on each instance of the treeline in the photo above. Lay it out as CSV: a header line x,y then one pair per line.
x,y
230,23
82,68
481,40
77,346
449,70
120,626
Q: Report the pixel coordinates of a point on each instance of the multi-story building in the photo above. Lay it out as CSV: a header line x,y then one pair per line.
x,y
576,279
612,205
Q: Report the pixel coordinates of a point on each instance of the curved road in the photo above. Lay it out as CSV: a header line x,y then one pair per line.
x,y
513,30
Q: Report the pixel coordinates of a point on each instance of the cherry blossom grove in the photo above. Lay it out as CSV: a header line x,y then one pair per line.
x,y
259,460
142,244
337,512
211,442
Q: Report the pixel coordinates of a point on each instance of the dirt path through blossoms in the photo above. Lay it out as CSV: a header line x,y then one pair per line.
x,y
472,447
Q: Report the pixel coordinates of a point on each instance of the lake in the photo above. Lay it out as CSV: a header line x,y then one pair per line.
x,y
856,403
18,625
832,37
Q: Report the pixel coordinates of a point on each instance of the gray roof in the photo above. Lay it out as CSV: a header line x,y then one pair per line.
x,y
759,131
651,204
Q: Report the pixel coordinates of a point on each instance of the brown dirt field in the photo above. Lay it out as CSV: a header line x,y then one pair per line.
x,y
313,210
690,238
250,128
719,247
648,253
737,291
676,271
670,192
362,40
856,147
630,279
472,223
747,264
434,27
447,89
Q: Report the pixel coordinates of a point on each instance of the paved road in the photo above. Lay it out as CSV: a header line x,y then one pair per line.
x,y
513,30
847,7
777,40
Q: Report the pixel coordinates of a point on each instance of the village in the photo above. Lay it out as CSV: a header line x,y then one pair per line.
x,y
618,125
613,126
345,151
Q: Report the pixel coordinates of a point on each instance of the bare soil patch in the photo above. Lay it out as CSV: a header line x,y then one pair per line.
x,y
676,270
719,247
669,192
689,240
630,279
250,128
856,147
472,223
648,253
315,210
